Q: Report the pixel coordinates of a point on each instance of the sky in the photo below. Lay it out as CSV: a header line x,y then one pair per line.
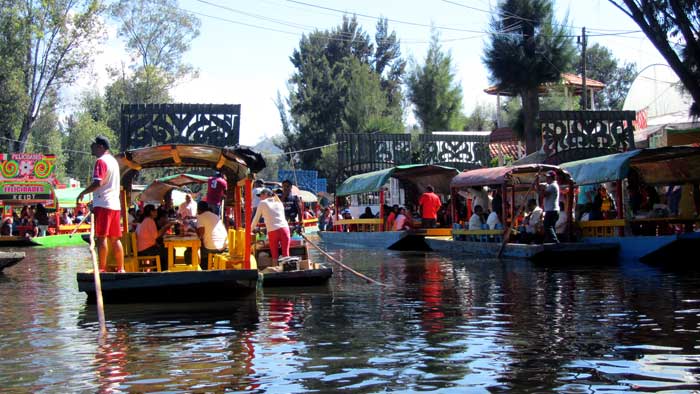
x,y
242,52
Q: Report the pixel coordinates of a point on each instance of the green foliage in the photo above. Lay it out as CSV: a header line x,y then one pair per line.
x,y
481,118
672,26
13,98
59,41
507,160
526,52
433,90
557,100
341,84
47,138
602,66
81,131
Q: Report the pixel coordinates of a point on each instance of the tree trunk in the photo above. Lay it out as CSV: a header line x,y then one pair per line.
x,y
531,109
21,144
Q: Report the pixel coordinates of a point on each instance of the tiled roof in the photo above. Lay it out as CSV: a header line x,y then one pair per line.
x,y
566,79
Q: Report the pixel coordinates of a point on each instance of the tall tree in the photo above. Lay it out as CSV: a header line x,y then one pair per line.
x,y
433,90
341,84
46,136
527,48
602,66
673,26
158,33
13,98
59,38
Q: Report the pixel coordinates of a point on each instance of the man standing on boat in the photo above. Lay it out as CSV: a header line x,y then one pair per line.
x,y
106,203
216,191
429,204
293,205
551,207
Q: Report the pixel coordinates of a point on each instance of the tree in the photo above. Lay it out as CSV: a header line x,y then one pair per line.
x,y
603,67
341,84
527,49
46,136
433,91
81,130
13,98
481,118
158,33
673,27
58,39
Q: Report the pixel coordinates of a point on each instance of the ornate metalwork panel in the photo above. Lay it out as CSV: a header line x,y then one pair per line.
x,y
459,151
360,153
594,131
145,125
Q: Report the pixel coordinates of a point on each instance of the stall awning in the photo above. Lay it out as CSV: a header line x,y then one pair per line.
x,y
601,169
421,175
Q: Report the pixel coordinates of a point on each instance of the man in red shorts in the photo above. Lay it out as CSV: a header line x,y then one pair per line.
x,y
106,203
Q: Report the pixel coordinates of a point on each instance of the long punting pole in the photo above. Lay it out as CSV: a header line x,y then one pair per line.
x,y
509,229
98,283
381,210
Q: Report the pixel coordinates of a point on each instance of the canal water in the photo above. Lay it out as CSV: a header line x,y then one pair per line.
x,y
448,325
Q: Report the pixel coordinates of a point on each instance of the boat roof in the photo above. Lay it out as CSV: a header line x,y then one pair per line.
x,y
657,166
183,179
235,163
501,175
420,175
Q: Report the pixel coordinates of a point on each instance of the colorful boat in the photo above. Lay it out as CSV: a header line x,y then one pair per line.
x,y
395,185
658,235
516,185
230,275
295,271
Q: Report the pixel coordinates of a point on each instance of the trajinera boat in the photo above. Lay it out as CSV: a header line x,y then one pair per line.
x,y
229,275
515,185
655,202
398,185
8,259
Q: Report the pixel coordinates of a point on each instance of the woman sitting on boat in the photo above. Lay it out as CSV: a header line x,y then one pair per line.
x,y
147,234
401,223
272,210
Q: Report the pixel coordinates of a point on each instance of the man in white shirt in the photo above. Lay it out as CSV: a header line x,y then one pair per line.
x,y
493,220
533,221
476,221
211,231
188,209
551,206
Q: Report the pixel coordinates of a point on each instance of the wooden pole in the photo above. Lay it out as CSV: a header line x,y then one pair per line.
x,y
506,233
98,283
248,219
381,210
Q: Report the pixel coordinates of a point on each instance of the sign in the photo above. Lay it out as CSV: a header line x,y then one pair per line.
x,y
26,193
27,167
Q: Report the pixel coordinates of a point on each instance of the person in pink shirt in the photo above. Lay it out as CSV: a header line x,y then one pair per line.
x,y
429,204
147,234
401,222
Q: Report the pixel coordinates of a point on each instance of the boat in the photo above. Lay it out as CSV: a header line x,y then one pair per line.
x,y
8,259
230,275
295,271
653,236
18,241
515,184
394,186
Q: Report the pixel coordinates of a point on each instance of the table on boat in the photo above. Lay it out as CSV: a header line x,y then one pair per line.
x,y
182,241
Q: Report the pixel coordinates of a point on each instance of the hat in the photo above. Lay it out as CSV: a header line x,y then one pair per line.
x,y
266,191
101,140
551,173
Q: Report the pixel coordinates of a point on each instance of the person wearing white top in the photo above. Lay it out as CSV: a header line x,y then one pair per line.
x,y
188,209
401,221
493,220
551,206
475,221
534,219
211,231
272,210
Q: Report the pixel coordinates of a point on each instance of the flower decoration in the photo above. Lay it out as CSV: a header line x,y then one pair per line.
x,y
26,167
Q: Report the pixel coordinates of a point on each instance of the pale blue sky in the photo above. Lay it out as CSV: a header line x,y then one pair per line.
x,y
243,50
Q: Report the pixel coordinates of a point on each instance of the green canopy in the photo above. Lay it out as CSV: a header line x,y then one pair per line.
x,y
421,175
183,179
600,169
66,197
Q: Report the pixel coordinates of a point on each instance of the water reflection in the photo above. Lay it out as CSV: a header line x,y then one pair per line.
x,y
444,325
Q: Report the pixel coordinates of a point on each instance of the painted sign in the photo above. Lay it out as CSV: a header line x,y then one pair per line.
x,y
26,193
27,167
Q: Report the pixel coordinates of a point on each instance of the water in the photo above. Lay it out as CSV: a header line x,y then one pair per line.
x,y
445,325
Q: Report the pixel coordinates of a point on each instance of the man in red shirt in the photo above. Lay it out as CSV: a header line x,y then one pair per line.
x,y
216,191
429,204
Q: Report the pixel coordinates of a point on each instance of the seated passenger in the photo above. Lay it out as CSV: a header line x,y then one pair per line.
x,y
476,220
401,223
211,231
493,220
533,222
147,234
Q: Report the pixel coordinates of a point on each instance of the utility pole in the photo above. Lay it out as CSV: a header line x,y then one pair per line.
x,y
584,93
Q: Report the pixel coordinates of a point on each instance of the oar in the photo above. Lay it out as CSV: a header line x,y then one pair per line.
x,y
506,234
341,265
81,222
98,283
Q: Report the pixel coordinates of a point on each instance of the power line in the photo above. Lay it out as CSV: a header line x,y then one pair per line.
x,y
48,146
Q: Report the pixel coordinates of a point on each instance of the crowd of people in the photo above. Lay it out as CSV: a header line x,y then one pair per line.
x,y
36,220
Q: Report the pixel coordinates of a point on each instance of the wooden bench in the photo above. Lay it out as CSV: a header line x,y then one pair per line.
x,y
69,228
478,235
602,228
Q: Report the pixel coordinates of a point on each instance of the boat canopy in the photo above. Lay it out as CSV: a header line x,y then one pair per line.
x,y
183,179
659,166
235,163
512,175
420,175
66,197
